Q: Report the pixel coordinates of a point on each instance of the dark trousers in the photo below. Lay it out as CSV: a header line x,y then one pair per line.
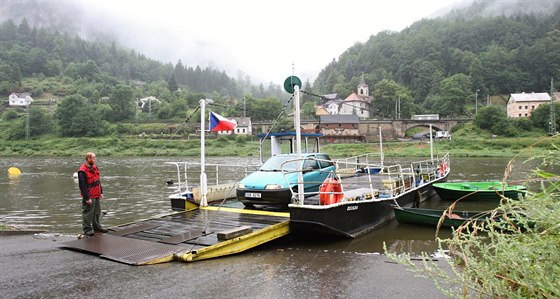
x,y
90,215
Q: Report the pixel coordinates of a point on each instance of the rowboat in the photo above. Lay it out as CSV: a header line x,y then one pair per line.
x,y
432,216
483,191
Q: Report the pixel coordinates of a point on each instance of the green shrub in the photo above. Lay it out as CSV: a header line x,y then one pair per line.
x,y
10,114
515,254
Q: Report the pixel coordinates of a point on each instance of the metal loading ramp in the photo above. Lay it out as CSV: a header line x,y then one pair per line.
x,y
206,232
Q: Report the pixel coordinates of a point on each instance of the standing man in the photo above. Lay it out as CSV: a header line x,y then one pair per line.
x,y
92,192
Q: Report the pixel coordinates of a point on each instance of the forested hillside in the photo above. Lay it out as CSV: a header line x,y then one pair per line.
x,y
27,52
91,87
95,86
437,65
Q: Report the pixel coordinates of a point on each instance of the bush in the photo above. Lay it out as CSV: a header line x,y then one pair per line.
x,y
515,258
489,116
10,114
523,123
504,127
37,92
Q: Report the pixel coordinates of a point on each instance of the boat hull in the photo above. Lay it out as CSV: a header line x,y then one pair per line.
x,y
354,218
431,217
450,191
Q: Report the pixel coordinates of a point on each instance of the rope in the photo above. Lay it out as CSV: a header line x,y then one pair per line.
x,y
146,165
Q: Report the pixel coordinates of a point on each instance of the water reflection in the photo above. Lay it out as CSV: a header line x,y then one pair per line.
x,y
45,196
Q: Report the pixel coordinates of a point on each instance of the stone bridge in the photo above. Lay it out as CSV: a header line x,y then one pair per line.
x,y
369,128
397,128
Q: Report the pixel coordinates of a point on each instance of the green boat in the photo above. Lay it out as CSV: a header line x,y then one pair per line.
x,y
431,216
482,191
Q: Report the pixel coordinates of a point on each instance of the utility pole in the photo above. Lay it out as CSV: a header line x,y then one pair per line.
x,y
399,108
27,122
244,107
137,109
476,102
552,121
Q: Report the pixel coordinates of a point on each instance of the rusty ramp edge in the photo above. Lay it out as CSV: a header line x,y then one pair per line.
x,y
126,250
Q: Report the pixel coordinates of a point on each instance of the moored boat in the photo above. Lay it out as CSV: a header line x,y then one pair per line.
x,y
366,201
432,216
483,191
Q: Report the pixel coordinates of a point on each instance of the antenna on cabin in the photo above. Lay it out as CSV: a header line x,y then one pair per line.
x,y
552,120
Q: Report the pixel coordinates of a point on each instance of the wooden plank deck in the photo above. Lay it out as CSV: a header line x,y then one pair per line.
x,y
186,236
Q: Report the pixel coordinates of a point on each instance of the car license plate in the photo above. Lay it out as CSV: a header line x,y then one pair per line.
x,y
252,195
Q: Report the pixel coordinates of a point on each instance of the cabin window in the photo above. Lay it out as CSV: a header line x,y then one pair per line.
x,y
519,114
533,107
520,108
526,107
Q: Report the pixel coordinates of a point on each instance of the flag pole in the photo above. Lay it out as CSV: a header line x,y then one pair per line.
x,y
203,179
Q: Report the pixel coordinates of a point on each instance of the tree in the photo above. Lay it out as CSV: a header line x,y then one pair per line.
x,y
265,109
455,91
308,110
540,117
488,116
77,118
122,103
386,95
40,122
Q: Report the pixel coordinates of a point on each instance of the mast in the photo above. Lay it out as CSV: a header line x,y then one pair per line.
x,y
297,124
431,144
203,179
381,146
292,85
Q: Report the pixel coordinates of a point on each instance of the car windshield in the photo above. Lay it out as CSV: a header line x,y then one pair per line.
x,y
275,164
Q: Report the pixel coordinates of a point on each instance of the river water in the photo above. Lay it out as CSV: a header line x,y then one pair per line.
x,y
46,197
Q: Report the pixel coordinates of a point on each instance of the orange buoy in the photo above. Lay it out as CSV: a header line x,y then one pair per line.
x,y
330,191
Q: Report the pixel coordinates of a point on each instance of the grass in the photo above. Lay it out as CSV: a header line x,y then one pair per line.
x,y
5,227
135,146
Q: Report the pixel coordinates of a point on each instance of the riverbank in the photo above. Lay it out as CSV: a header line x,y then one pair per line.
x,y
460,146
39,268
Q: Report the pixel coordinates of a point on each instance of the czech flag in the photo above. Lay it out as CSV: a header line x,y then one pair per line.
x,y
220,123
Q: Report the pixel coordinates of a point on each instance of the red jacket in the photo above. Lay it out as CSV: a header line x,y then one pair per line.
x,y
92,181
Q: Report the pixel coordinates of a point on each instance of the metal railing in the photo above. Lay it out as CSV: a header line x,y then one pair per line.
x,y
389,182
217,173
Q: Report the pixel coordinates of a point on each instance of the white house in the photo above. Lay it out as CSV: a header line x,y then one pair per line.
x,y
244,126
20,99
358,103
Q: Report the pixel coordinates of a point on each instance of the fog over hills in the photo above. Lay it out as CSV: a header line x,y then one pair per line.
x,y
224,35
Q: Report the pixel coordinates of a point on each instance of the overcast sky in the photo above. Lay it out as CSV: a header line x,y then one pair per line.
x,y
262,38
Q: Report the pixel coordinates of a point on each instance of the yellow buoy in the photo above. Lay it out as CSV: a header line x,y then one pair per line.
x,y
14,171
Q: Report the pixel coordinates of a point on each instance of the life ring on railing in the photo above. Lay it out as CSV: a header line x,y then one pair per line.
x,y
330,191
442,168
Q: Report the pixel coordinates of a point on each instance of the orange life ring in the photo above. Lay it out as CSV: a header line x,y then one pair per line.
x,y
330,192
442,168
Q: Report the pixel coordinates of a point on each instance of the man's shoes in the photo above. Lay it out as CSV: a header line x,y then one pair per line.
x,y
89,233
101,230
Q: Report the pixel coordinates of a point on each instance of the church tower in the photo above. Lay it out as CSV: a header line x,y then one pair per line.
x,y
363,89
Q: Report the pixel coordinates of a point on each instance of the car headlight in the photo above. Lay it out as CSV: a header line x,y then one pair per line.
x,y
241,186
272,187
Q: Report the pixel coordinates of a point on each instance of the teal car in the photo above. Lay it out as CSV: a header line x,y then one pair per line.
x,y
271,185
